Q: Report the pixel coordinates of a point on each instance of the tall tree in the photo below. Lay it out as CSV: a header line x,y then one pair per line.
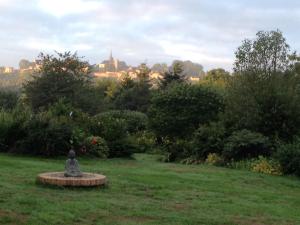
x,y
62,76
24,64
135,95
190,69
174,74
160,68
263,95
267,54
217,78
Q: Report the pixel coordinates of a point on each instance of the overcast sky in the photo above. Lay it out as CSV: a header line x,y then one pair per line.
x,y
203,31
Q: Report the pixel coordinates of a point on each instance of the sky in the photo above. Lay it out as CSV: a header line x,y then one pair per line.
x,y
138,31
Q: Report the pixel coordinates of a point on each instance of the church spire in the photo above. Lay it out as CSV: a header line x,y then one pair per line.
x,y
111,57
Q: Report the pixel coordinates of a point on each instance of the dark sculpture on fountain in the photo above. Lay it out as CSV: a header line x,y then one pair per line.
x,y
72,176
72,166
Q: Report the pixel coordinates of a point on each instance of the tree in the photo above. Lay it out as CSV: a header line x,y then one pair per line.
x,y
160,68
62,76
174,74
265,104
143,74
190,69
217,77
126,81
263,95
267,54
24,64
135,95
180,108
217,74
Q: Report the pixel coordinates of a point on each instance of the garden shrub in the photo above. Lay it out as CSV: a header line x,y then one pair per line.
x,y
176,150
135,121
145,141
75,115
12,127
124,147
267,166
208,139
6,125
54,132
46,136
109,127
245,144
214,159
265,104
8,100
115,132
178,110
96,146
288,156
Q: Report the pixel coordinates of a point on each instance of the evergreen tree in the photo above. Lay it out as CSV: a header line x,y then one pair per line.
x,y
174,74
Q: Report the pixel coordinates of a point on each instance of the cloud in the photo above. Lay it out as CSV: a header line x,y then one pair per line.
x,y
194,53
204,31
60,8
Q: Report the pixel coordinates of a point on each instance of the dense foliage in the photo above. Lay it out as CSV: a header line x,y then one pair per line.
x,y
208,139
246,144
8,100
289,157
178,110
250,118
65,76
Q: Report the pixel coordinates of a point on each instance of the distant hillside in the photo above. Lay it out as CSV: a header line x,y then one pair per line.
x,y
190,68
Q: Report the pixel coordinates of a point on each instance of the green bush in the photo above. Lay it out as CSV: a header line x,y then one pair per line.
x,y
208,139
145,141
124,147
12,127
109,127
115,132
246,144
96,146
6,125
214,159
53,132
265,104
46,136
176,150
288,156
8,100
75,115
135,121
178,110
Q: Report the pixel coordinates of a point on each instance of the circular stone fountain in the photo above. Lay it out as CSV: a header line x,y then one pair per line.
x,y
58,178
72,175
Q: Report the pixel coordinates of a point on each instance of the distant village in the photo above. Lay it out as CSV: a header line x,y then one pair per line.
x,y
111,68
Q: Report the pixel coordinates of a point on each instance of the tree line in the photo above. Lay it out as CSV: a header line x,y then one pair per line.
x,y
251,115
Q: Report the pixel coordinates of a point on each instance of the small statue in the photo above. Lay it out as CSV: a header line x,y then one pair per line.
x,y
72,166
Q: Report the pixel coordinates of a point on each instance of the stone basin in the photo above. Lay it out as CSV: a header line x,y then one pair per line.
x,y
58,178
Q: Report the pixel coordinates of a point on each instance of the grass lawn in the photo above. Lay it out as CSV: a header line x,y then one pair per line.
x,y
145,191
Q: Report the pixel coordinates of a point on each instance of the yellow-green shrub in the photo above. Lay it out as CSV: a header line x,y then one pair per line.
x,y
268,166
214,159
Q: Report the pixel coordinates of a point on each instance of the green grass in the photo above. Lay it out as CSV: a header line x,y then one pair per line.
x,y
145,191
